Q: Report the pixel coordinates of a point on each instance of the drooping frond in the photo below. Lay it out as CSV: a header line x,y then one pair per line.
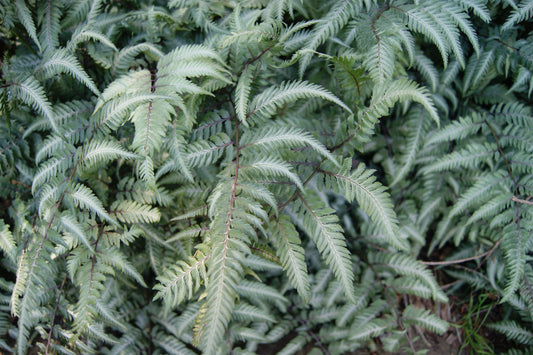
x,y
515,256
415,132
26,19
291,255
514,331
32,93
134,212
49,34
405,265
371,196
523,12
7,243
266,103
62,62
182,280
384,97
329,26
274,138
84,197
321,225
271,167
423,318
472,155
103,151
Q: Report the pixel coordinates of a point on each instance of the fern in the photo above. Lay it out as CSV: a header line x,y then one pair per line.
x,y
206,176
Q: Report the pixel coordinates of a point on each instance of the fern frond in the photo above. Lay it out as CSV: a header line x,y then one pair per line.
x,y
62,62
363,293
32,93
371,196
274,138
291,255
206,152
322,226
296,344
134,212
230,231
406,265
52,168
371,329
112,115
423,318
457,130
522,12
412,286
266,103
259,291
384,97
242,93
472,156
336,18
26,19
428,70
422,20
70,224
181,280
84,197
125,57
245,312
7,242
415,127
193,212
478,7
515,258
271,167
491,208
224,276
103,151
379,61
52,144
513,331
480,192
151,121
49,34
477,69
173,346
462,20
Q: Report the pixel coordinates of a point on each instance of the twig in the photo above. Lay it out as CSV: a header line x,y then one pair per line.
x,y
526,202
460,261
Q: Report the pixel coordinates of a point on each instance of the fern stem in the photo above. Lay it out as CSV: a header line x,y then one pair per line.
x,y
253,60
54,314
460,261
304,322
525,202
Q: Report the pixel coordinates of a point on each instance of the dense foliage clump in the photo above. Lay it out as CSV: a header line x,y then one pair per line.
x,y
199,176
